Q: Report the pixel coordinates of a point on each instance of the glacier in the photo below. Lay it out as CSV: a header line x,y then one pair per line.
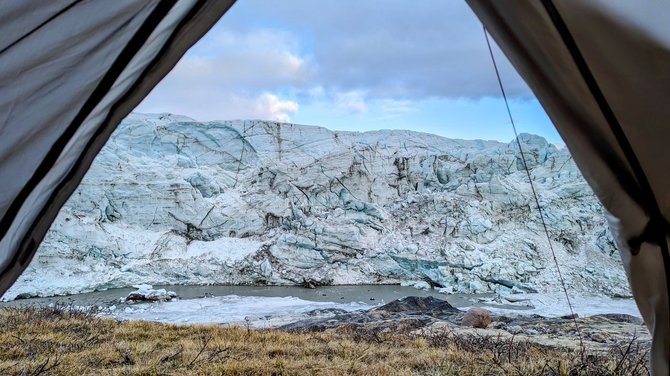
x,y
170,200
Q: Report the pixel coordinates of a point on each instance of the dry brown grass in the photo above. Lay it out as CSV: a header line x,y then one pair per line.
x,y
63,341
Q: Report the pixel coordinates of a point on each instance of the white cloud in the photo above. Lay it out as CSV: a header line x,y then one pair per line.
x,y
356,58
255,60
234,75
352,102
269,106
316,93
221,105
396,106
432,49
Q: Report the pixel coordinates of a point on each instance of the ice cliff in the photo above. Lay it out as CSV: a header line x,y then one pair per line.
x,y
173,201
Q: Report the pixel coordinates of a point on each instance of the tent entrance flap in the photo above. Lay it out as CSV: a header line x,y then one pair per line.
x,y
85,66
602,78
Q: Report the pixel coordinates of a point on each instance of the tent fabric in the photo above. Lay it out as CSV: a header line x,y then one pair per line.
x,y
602,75
70,71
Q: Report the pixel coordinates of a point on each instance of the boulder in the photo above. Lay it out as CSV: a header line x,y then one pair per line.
x,y
477,318
415,305
147,293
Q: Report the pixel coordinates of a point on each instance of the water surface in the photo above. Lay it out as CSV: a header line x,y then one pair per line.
x,y
369,294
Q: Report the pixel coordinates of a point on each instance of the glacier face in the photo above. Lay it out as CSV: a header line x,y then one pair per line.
x,y
173,201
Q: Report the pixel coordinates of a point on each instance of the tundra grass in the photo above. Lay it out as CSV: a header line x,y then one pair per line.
x,y
65,341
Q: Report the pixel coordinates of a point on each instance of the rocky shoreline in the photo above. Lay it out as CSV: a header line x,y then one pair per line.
x,y
426,315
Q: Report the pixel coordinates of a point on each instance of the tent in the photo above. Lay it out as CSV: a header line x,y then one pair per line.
x,y
601,73
70,70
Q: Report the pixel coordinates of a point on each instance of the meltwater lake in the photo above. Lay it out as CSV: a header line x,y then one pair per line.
x,y
271,306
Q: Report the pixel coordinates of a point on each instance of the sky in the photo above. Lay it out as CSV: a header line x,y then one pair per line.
x,y
352,65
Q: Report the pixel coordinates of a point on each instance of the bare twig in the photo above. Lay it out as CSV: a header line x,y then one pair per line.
x,y
45,367
169,358
205,341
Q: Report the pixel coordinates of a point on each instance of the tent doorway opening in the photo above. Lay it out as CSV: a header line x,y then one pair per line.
x,y
175,200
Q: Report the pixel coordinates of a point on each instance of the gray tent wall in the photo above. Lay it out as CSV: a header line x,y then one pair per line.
x,y
70,71
602,73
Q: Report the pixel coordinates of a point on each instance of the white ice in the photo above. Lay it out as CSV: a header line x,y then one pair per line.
x,y
269,312
255,311
556,304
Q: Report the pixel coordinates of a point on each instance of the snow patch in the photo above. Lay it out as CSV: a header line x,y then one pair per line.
x,y
258,312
